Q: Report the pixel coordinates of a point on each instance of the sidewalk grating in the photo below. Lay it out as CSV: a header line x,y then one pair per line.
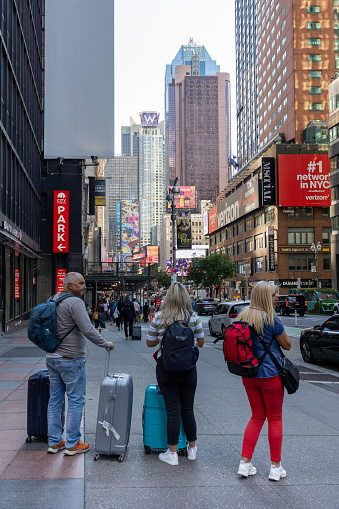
x,y
23,351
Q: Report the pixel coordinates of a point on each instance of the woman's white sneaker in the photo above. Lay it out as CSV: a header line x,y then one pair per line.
x,y
276,473
246,469
191,453
169,457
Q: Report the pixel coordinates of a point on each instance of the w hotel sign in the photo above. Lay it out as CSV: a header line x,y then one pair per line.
x,y
149,118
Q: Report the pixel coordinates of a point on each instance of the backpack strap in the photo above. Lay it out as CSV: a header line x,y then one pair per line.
x,y
267,346
57,302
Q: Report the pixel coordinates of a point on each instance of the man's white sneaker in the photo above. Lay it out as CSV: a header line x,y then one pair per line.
x,y
276,473
191,453
169,457
246,469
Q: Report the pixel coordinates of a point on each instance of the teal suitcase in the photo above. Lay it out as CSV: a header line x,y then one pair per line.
x,y
154,423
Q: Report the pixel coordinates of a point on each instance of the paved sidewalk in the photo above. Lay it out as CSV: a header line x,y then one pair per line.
x,y
30,478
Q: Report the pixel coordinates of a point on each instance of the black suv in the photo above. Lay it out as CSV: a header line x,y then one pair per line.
x,y
288,304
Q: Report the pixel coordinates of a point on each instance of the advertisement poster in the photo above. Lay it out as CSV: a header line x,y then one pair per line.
x,y
17,284
308,176
61,273
61,222
118,226
184,200
152,254
182,266
212,220
129,215
184,235
100,192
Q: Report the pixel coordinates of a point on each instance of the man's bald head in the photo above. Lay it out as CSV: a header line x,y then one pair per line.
x,y
74,282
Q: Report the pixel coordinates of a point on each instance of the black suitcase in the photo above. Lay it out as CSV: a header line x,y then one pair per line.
x,y
136,332
37,402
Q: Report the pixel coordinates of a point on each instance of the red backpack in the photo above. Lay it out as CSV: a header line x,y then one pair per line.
x,y
238,350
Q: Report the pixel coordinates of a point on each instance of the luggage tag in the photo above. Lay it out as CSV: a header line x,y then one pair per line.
x,y
108,427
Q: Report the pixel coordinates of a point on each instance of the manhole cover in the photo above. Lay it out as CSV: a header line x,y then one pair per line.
x,y
19,351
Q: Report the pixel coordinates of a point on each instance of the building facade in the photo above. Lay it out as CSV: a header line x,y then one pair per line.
x,y
333,154
129,139
269,231
286,55
21,109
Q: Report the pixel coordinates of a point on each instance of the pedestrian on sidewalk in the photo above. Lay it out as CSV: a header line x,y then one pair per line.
x,y
177,387
145,311
105,304
128,315
111,306
119,319
151,311
66,367
137,310
265,391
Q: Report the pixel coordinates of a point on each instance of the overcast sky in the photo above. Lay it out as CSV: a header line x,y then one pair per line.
x,y
148,35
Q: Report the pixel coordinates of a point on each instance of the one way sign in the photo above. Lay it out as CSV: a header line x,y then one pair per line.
x,y
61,222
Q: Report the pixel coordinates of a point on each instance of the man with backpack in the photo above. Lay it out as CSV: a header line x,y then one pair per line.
x,y
128,314
66,366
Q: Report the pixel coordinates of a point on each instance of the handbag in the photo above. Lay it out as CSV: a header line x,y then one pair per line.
x,y
288,371
95,315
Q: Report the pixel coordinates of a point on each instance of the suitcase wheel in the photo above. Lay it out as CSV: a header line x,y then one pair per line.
x,y
147,449
96,457
182,452
29,440
121,457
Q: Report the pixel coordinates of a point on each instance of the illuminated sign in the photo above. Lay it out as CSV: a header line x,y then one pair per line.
x,y
184,235
149,119
307,176
212,220
185,199
61,222
17,284
61,273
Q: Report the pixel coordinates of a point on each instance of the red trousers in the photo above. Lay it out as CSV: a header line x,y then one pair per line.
x,y
266,397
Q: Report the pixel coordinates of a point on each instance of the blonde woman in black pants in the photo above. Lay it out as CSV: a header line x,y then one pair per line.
x,y
178,387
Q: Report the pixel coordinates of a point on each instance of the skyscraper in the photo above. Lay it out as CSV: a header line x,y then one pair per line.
x,y
129,139
286,56
201,64
200,140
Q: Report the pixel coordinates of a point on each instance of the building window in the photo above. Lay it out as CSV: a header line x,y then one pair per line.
x,y
313,9
314,58
240,228
327,236
248,224
315,90
217,238
313,25
300,236
249,245
240,267
259,264
299,212
285,117
257,219
314,42
212,240
326,261
325,211
258,241
240,247
316,107
223,235
335,223
314,74
269,214
228,233
229,250
300,261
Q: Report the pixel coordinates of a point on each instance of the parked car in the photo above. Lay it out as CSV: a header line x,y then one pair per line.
x,y
206,306
321,342
224,314
288,304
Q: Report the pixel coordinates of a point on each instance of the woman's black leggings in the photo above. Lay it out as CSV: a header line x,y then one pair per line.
x,y
178,389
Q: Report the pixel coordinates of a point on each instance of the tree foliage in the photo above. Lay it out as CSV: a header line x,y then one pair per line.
x,y
164,280
212,270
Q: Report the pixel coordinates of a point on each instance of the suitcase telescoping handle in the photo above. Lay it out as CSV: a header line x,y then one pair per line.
x,y
108,355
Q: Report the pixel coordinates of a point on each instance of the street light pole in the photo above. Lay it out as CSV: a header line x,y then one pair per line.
x,y
175,190
316,248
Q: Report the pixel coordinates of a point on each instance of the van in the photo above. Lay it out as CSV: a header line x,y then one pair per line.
x,y
288,304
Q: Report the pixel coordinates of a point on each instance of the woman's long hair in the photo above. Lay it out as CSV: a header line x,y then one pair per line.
x,y
260,311
176,305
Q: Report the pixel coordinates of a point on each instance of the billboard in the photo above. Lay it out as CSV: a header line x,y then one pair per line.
x,y
182,266
241,202
205,219
152,254
79,107
184,234
129,222
100,192
268,180
212,220
308,176
60,221
118,226
184,200
149,119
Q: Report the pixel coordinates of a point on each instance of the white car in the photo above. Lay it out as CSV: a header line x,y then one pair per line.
x,y
225,314
336,308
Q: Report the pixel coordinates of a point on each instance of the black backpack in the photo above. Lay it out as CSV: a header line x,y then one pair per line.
x,y
178,351
126,310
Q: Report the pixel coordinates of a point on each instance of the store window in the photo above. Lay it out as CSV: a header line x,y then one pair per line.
x,y
300,236
259,264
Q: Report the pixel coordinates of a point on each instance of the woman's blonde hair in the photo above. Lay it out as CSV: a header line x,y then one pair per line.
x,y
176,305
260,311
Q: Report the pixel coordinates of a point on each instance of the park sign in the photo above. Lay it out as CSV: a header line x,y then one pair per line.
x,y
61,222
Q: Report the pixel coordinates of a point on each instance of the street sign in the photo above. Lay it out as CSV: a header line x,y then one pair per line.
x,y
313,268
61,222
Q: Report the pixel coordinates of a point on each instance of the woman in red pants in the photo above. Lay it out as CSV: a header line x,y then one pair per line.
x,y
265,390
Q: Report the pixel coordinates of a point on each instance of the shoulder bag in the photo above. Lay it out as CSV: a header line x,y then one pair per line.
x,y
288,371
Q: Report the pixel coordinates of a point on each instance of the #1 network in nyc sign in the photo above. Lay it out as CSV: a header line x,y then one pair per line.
x,y
304,180
61,222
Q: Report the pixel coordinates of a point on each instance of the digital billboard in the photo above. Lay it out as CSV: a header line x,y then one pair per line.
x,y
182,266
184,235
184,200
149,118
152,254
307,176
129,220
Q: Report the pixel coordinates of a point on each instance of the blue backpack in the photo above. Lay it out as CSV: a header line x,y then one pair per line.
x,y
42,325
178,351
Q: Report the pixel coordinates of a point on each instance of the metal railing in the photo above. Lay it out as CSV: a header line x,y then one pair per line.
x,y
121,269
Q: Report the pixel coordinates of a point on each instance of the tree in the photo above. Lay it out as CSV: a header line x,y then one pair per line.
x,y
212,270
164,280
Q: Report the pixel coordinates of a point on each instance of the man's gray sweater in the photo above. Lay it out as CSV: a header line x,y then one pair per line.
x,y
70,312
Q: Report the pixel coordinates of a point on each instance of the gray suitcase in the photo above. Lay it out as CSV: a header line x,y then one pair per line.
x,y
136,332
114,414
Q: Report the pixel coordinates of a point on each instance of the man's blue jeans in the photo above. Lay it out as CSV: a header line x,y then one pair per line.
x,y
66,376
